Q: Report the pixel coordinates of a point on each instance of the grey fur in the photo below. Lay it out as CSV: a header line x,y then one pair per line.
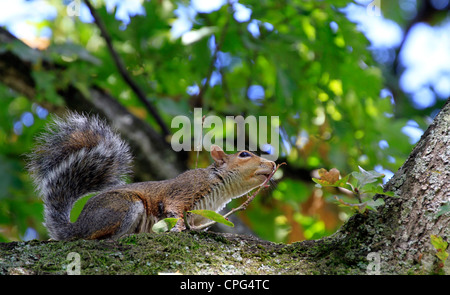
x,y
64,170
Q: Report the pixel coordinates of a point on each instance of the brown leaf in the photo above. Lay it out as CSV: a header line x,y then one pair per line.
x,y
330,176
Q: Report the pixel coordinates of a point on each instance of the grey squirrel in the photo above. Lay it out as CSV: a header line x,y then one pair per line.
x,y
78,155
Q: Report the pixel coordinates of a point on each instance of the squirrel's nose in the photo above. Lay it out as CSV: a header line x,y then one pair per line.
x,y
271,164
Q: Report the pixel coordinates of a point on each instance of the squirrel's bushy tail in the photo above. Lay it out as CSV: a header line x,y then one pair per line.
x,y
77,155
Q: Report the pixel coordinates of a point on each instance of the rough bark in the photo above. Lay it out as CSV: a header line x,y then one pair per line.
x,y
401,230
423,184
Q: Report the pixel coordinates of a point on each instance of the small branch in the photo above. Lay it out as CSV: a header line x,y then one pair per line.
x,y
359,206
124,73
198,99
199,144
244,205
357,194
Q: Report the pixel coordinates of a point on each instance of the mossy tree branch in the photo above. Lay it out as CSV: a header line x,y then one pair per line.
x,y
398,233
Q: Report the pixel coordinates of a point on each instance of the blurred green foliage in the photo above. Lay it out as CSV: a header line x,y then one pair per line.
x,y
314,66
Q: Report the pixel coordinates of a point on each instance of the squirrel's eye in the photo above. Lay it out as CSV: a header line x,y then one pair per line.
x,y
244,155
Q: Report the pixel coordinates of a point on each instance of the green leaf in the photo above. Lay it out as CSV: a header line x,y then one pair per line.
x,y
365,177
374,204
442,255
213,216
164,225
376,189
339,183
359,207
440,245
444,209
438,242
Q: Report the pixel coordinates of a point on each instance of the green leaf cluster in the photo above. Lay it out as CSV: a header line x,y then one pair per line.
x,y
364,185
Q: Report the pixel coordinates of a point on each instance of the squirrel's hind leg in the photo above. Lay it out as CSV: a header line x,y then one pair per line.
x,y
110,215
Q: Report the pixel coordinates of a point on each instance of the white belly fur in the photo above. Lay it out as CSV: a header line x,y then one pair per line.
x,y
216,201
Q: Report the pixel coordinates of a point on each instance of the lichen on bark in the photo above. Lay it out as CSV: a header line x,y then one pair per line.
x,y
423,186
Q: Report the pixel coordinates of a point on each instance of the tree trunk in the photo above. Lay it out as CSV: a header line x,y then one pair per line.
x,y
400,232
423,183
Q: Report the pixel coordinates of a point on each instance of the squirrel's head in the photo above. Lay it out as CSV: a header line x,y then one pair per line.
x,y
244,167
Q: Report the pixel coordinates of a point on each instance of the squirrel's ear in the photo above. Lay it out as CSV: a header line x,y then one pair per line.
x,y
218,154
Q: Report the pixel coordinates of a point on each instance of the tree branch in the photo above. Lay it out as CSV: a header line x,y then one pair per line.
x,y
198,99
124,73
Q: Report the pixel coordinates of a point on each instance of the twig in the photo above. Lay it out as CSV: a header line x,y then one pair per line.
x,y
360,205
244,205
357,194
124,73
199,97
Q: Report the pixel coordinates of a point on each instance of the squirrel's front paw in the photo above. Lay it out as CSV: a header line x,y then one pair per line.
x,y
179,226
